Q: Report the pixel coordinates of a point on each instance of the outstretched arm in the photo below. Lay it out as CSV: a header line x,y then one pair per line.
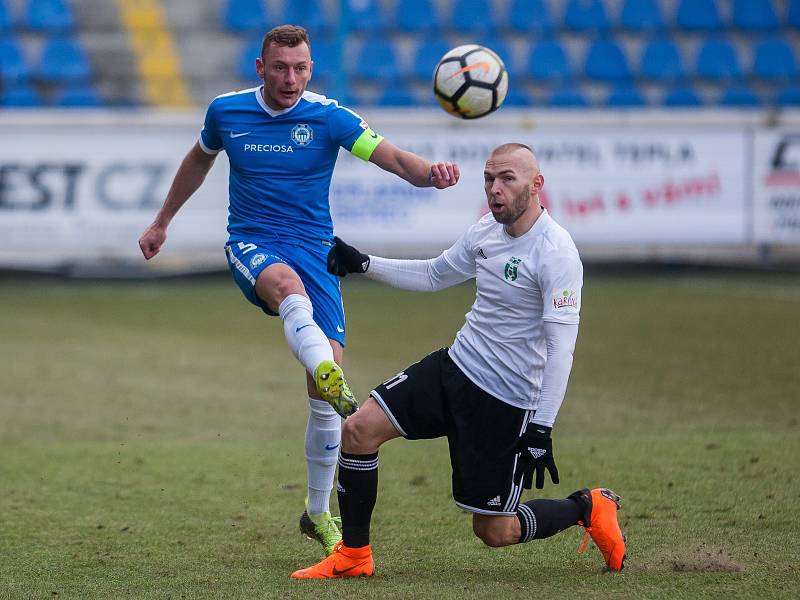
x,y
193,170
417,275
414,169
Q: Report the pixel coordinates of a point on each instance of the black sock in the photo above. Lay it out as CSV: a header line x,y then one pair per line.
x,y
540,519
358,489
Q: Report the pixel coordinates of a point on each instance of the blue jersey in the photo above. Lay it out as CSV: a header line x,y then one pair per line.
x,y
281,161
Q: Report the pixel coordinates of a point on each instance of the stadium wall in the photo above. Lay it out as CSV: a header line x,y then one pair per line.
x,y
76,190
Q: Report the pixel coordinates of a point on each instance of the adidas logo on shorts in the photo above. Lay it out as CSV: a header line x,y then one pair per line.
x,y
494,501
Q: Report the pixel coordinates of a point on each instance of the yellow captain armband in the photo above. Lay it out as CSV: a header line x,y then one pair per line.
x,y
366,143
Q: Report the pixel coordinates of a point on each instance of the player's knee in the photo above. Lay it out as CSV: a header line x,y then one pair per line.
x,y
356,436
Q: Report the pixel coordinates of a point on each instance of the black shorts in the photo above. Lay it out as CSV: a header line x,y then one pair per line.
x,y
433,398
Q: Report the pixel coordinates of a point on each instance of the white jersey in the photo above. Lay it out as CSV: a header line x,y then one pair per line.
x,y
521,283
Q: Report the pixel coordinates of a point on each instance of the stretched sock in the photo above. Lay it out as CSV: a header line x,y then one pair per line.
x,y
358,490
308,344
323,436
540,519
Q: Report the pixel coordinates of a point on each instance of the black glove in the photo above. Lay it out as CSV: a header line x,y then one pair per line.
x,y
344,259
537,450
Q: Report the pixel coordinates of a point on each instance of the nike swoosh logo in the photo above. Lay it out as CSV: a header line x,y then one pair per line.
x,y
302,327
483,66
337,572
235,135
374,135
340,329
329,447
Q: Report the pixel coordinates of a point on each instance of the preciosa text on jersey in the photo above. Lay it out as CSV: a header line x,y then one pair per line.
x,y
267,148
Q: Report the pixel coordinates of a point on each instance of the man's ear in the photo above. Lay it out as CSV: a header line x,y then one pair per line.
x,y
538,183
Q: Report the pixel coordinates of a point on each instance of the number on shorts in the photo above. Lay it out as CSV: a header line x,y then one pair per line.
x,y
396,380
245,248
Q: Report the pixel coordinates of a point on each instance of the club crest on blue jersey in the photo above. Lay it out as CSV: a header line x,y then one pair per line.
x,y
302,134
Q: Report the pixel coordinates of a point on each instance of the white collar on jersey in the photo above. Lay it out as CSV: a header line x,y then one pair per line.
x,y
272,112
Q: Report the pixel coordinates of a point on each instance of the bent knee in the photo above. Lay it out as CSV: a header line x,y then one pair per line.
x,y
356,435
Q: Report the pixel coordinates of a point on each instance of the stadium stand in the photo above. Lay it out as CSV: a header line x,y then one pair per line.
x,y
51,16
641,16
616,53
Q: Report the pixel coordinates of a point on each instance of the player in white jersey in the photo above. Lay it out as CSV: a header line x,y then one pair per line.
x,y
496,392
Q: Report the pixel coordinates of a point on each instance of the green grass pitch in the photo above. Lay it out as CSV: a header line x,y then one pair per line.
x,y
151,444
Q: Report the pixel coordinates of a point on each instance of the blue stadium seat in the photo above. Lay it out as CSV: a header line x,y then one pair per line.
x,y
20,96
64,60
377,61
246,62
53,16
244,15
788,96
682,96
548,61
750,15
473,16
529,16
717,60
567,96
78,96
503,50
661,61
586,15
13,66
395,95
426,57
698,15
605,61
324,55
417,16
641,15
311,14
793,14
739,95
516,96
365,15
774,60
5,17
625,96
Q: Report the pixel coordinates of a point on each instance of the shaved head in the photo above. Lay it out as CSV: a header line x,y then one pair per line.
x,y
523,157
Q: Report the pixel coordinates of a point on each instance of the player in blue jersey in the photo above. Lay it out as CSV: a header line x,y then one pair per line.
x,y
282,142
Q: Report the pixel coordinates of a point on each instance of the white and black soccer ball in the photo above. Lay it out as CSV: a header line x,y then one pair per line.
x,y
470,81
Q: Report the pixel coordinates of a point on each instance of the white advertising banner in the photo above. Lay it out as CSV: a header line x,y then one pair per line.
x,y
777,186
607,187
84,193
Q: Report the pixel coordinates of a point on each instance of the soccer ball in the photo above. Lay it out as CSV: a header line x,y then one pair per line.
x,y
470,81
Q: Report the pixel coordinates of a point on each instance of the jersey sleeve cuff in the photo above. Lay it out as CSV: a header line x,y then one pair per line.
x,y
206,149
365,144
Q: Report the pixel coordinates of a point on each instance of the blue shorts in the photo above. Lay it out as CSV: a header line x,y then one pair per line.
x,y
246,260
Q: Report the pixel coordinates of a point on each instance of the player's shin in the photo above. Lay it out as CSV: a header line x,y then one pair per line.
x,y
323,437
306,340
541,519
358,490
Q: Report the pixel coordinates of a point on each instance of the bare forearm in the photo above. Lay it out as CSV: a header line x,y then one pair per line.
x,y
189,177
414,169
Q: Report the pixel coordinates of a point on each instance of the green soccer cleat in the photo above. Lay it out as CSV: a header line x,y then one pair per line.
x,y
333,387
324,528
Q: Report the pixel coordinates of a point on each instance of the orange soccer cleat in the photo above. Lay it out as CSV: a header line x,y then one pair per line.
x,y
342,562
601,523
